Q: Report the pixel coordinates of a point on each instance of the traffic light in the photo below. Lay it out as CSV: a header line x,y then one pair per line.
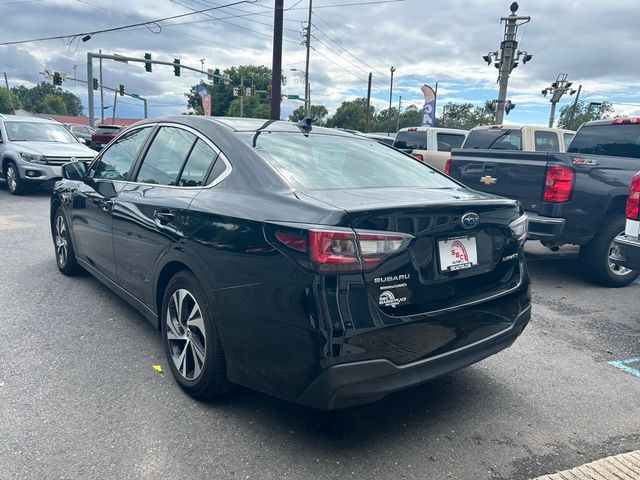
x,y
57,78
95,84
121,90
176,67
147,65
508,106
217,78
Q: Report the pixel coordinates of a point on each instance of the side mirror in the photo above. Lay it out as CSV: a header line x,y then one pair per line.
x,y
74,170
83,141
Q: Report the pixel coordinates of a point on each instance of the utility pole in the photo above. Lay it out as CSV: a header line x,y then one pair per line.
x,y
366,115
241,97
306,68
6,82
101,90
399,108
557,90
276,66
508,58
573,109
392,69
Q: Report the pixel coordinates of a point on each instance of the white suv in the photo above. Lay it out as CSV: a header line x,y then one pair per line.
x,y
32,150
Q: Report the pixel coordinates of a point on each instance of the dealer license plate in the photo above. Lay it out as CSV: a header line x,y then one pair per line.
x,y
457,253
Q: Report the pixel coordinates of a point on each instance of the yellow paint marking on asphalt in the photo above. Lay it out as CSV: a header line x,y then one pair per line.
x,y
619,467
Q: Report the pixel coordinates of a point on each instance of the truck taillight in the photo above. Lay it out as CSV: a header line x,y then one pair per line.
x,y
418,156
342,250
632,210
447,166
558,183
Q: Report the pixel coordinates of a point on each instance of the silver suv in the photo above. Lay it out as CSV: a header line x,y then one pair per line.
x,y
32,150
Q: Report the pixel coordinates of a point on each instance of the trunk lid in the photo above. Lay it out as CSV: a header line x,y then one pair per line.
x,y
445,264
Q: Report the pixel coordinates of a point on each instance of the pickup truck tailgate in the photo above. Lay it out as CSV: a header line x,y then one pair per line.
x,y
512,174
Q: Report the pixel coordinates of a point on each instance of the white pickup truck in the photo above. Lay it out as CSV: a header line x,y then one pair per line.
x,y
431,145
525,138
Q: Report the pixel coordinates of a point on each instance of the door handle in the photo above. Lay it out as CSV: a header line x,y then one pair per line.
x,y
163,218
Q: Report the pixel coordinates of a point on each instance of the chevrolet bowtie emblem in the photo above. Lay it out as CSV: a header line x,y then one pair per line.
x,y
488,180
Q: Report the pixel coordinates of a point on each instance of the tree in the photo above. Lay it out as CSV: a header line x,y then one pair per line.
x,y
39,99
6,99
350,115
465,116
318,114
54,104
224,103
585,112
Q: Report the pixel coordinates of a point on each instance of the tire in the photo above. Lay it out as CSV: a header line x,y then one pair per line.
x,y
595,256
191,341
14,183
65,253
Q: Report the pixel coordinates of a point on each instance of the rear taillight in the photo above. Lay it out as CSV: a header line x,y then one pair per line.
x,y
417,156
558,183
447,166
632,210
343,250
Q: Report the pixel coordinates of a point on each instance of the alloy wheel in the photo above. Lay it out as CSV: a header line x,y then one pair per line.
x,y
11,175
186,334
62,248
614,267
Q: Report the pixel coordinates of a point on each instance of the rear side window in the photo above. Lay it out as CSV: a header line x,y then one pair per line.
x,y
321,161
568,138
165,156
411,140
494,139
546,141
198,163
449,141
614,140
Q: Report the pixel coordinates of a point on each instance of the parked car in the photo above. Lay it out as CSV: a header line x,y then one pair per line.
x,y
32,150
526,138
571,198
83,132
386,138
430,145
626,250
314,265
103,134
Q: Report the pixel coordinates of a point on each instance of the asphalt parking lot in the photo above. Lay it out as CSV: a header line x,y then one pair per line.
x,y
79,397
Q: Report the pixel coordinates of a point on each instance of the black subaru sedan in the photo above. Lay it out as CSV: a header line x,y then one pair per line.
x,y
311,264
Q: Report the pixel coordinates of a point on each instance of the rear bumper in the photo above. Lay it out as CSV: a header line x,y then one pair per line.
x,y
628,252
545,228
358,383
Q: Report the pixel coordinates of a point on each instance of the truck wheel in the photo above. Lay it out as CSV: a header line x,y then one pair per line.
x,y
14,182
595,256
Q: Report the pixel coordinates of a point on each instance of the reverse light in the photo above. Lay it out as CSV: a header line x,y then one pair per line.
x,y
519,228
558,183
447,166
632,210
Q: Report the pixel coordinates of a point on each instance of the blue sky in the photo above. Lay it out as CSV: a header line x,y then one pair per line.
x,y
595,43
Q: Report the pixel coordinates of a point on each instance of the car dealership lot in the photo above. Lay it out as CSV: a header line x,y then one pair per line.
x,y
80,397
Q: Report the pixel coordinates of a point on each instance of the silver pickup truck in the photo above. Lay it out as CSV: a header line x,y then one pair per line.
x,y
32,150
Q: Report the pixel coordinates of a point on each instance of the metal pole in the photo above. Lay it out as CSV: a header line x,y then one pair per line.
x,y
276,66
101,91
115,102
573,109
306,68
90,89
366,115
145,107
241,97
507,51
552,114
399,107
6,82
392,69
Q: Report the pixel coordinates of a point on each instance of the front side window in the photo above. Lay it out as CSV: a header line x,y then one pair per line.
x,y
38,132
411,140
116,161
165,156
546,141
449,141
328,161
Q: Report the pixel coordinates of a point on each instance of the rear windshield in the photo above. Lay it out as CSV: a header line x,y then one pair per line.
x,y
449,141
107,130
494,139
614,140
411,140
328,161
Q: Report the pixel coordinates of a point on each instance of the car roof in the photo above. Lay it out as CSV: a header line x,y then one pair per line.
x,y
25,118
440,129
516,126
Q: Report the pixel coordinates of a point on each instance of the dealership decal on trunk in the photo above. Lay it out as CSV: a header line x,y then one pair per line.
x,y
388,299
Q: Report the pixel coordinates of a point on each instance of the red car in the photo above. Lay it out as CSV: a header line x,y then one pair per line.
x,y
103,135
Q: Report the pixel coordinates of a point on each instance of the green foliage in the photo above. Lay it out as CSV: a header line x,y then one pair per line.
x,y
40,99
585,112
350,115
225,104
6,98
317,112
465,116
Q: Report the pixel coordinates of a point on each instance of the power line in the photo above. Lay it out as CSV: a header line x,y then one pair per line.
x,y
339,66
147,24
337,54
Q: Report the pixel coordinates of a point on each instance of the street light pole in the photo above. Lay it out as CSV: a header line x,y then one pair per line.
x,y
392,69
557,90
